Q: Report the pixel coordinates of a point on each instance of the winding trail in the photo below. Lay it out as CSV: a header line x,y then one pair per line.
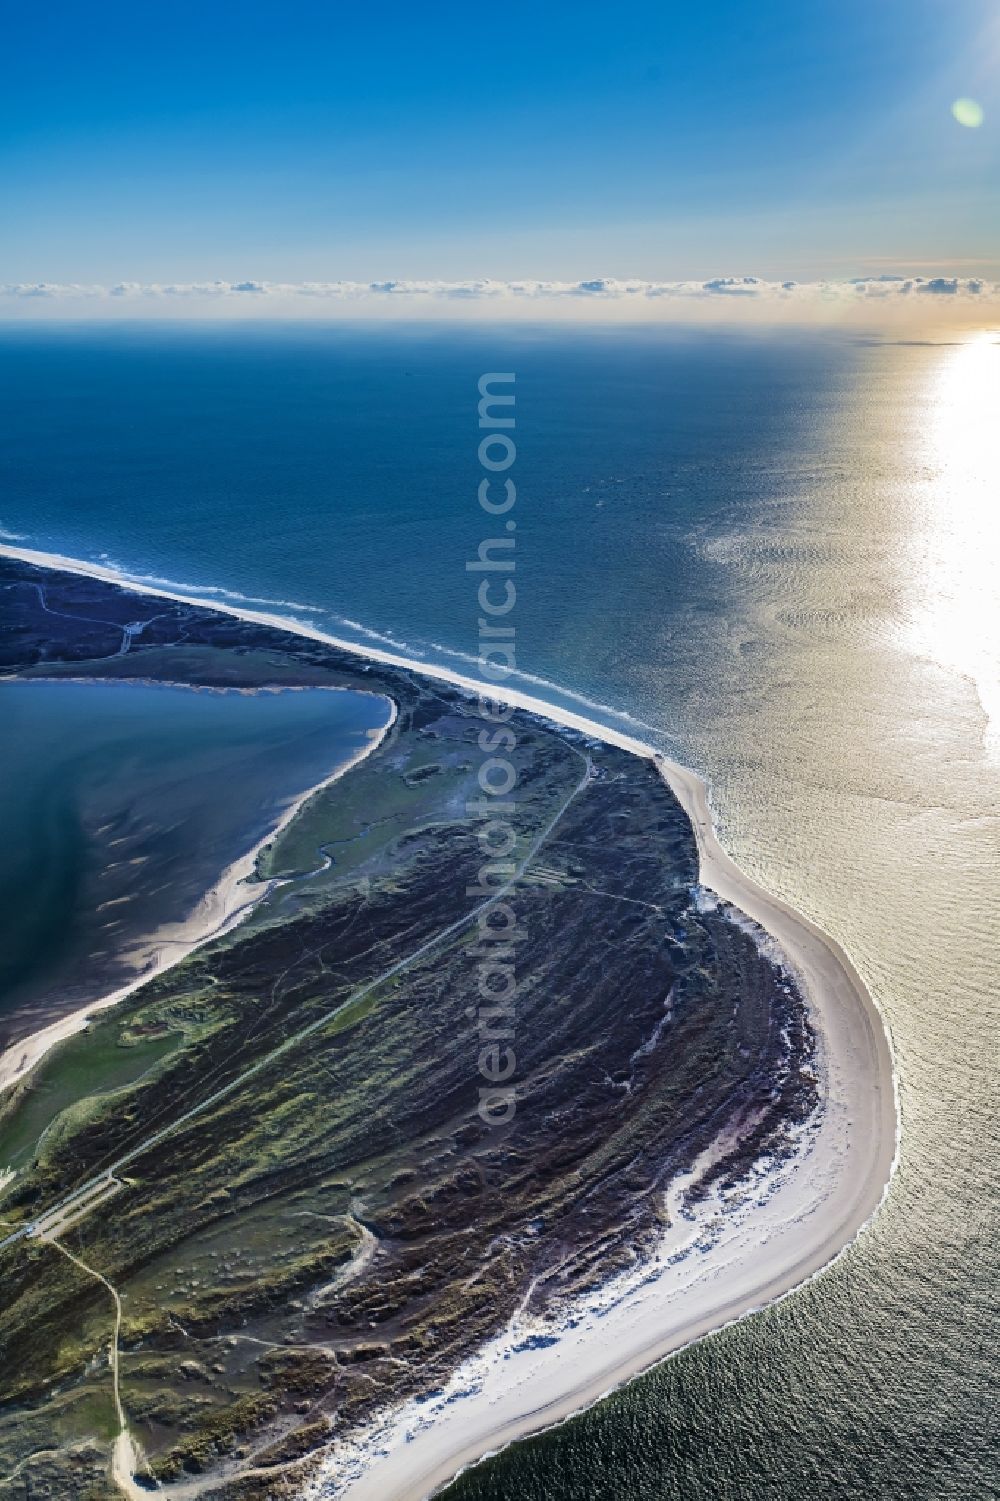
x,y
72,1207
758,1252
125,1456
717,1263
53,1240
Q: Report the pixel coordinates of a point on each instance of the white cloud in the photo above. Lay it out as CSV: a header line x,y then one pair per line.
x,y
738,286
785,297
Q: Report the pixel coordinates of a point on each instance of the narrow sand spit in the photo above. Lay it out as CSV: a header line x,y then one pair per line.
x,y
717,1263
218,911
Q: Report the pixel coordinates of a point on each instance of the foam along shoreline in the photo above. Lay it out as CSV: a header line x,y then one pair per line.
x,y
218,911
805,1213
718,1262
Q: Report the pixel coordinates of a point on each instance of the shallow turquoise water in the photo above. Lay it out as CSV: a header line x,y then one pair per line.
x,y
780,554
121,803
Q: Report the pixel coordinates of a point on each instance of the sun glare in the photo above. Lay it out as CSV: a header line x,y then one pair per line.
x,y
957,535
968,112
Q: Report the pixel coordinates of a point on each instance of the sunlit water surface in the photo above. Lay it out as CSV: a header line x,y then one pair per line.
x,y
779,556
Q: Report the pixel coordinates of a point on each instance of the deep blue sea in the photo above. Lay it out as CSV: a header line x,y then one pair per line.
x,y
334,474
776,556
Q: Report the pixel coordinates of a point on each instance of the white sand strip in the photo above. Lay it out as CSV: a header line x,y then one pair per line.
x,y
726,1262
718,1263
218,911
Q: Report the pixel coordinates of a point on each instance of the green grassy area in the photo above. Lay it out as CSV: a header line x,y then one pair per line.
x,y
329,1222
356,821
93,1413
190,664
94,1062
84,1417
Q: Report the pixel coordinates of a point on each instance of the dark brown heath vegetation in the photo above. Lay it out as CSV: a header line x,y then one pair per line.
x,y
340,1227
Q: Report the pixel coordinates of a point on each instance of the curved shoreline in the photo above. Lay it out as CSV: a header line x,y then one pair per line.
x,y
216,913
805,1218
855,1153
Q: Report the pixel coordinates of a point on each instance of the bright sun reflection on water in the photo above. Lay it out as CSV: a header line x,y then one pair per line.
x,y
955,618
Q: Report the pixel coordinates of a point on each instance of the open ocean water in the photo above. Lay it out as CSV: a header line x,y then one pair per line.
x,y
778,557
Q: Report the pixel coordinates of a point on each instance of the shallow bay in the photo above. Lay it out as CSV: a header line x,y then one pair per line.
x,y
776,553
121,803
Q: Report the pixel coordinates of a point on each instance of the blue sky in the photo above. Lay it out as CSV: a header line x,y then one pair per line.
x,y
309,142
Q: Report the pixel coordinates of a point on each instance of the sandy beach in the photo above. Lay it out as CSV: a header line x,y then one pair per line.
x,y
715,1265
219,910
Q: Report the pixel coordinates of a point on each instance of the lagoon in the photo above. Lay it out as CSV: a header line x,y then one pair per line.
x,y
121,804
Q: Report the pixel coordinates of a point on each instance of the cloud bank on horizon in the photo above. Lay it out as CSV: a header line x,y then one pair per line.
x,y
892,292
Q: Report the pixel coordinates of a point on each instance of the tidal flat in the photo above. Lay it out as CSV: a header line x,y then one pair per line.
x,y
303,1215
121,804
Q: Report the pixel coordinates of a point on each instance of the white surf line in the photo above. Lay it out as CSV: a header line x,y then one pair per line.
x,y
791,1226
541,707
862,1109
715,1266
